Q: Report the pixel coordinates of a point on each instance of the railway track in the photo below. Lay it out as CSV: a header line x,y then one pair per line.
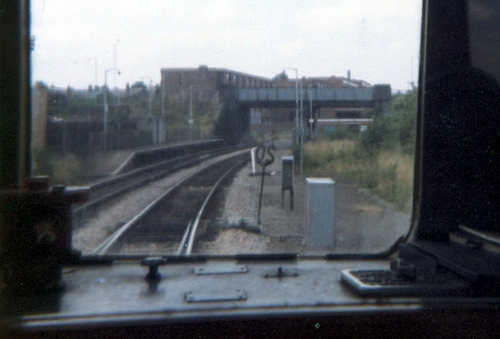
x,y
119,185
169,225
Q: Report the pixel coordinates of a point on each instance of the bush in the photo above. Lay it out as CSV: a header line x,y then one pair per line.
x,y
396,131
341,132
380,159
376,135
61,168
142,138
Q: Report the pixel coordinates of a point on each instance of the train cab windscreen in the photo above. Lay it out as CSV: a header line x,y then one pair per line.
x,y
231,127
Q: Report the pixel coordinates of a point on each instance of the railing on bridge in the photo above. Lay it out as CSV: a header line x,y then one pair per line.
x,y
361,122
320,96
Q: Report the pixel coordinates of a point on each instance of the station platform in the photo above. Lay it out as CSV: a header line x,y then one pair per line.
x,y
103,164
107,163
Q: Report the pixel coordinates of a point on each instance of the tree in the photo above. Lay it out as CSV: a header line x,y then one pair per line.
x,y
397,129
281,77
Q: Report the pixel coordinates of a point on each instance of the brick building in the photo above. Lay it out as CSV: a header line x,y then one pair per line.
x,y
204,82
179,84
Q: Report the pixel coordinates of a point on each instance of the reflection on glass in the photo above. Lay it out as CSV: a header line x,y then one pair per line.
x,y
485,36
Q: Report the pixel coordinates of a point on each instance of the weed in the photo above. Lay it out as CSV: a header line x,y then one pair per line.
x,y
388,173
61,168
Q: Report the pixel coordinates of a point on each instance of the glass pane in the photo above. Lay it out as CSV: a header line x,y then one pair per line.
x,y
485,36
330,83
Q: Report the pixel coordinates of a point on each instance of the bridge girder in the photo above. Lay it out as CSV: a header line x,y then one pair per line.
x,y
233,121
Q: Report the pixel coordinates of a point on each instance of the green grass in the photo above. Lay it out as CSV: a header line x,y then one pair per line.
x,y
388,174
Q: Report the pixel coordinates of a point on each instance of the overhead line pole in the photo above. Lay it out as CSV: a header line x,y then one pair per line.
x,y
105,122
296,102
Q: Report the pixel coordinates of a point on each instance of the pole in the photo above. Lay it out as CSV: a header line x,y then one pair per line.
x,y
310,120
296,103
105,122
150,97
190,120
310,114
301,131
163,98
114,66
163,124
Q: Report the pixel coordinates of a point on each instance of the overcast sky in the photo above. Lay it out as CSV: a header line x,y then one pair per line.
x,y
377,40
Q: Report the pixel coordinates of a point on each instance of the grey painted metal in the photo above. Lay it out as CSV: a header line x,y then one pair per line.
x,y
287,165
117,295
287,172
320,212
316,94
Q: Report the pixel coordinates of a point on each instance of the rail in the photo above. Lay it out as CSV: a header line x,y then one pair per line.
x,y
160,220
112,188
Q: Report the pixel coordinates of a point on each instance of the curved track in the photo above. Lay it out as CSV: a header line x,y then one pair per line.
x,y
168,226
109,189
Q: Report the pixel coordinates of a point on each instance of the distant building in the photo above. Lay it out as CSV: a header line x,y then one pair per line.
x,y
208,83
205,82
334,82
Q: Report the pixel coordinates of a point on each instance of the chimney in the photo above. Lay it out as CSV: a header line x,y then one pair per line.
x,y
349,75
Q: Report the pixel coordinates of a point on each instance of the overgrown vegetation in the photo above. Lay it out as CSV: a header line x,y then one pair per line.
x,y
396,131
61,168
379,159
204,116
133,119
75,128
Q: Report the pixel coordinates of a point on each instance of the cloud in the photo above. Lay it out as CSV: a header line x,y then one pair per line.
x,y
318,37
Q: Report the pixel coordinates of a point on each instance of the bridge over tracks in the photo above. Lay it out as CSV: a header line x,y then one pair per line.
x,y
237,103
